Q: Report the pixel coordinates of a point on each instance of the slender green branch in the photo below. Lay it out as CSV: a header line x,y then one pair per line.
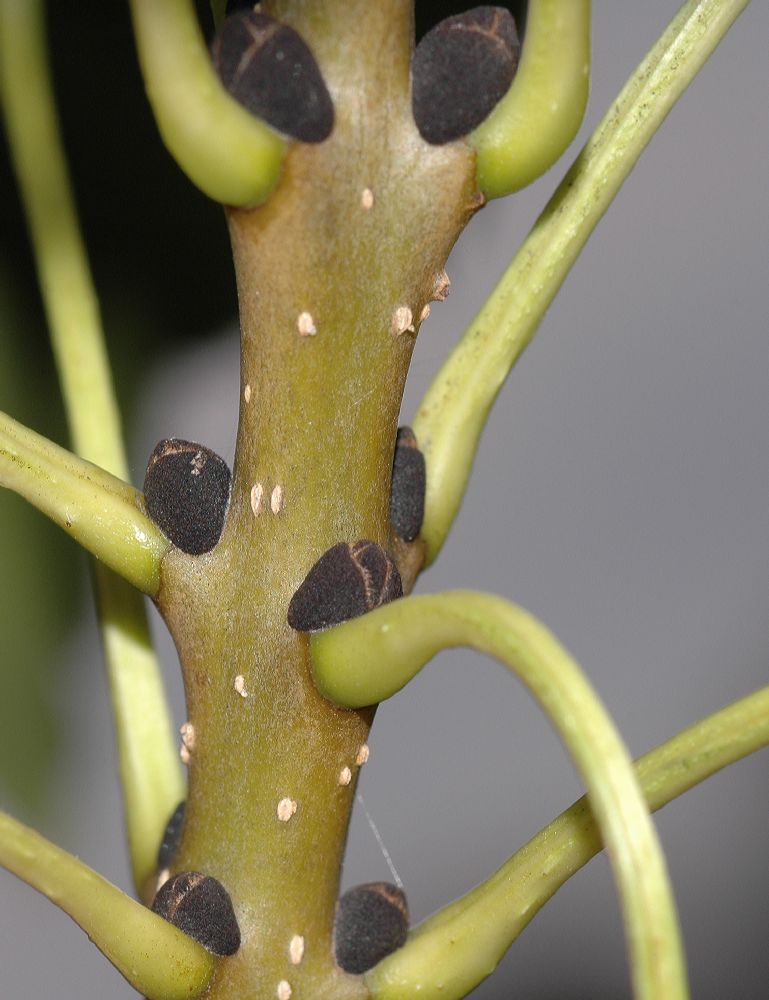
x,y
97,509
158,960
68,293
453,413
540,115
506,903
228,153
369,658
149,768
102,513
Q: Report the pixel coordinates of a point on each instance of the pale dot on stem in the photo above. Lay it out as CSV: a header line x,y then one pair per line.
x,y
363,755
187,731
296,949
345,776
305,324
277,500
257,499
284,990
184,753
442,287
403,320
240,686
367,199
247,393
425,313
286,809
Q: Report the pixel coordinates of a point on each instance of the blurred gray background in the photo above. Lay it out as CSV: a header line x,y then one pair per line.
x,y
620,493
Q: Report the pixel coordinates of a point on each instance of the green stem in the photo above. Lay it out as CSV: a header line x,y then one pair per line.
x,y
229,154
453,413
369,658
505,904
97,509
149,767
158,960
539,116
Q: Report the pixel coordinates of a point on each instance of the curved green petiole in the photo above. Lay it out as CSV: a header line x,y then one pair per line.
x,y
371,657
228,153
494,913
156,958
453,413
149,766
97,509
541,113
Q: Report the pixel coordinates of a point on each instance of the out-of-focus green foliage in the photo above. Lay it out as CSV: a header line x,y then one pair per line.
x,y
36,585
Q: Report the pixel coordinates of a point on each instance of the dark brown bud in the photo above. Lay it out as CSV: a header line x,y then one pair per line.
x,y
171,837
461,68
186,492
347,581
407,490
371,922
200,906
270,70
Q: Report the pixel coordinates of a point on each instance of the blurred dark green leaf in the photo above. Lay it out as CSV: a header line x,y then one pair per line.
x,y
37,569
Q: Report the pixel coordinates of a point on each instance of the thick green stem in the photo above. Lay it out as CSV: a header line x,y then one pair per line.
x,y
158,960
149,769
368,659
501,907
453,413
356,234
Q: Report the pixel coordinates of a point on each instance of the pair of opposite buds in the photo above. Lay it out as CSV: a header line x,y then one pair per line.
x,y
187,493
226,124
370,923
460,70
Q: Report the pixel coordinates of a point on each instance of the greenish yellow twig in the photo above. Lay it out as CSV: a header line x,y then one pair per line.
x,y
539,116
369,658
228,153
149,768
506,903
453,413
97,509
158,960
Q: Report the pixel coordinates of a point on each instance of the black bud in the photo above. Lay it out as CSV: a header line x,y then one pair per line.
x,y
407,491
200,906
371,922
270,70
461,68
171,837
186,492
347,581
